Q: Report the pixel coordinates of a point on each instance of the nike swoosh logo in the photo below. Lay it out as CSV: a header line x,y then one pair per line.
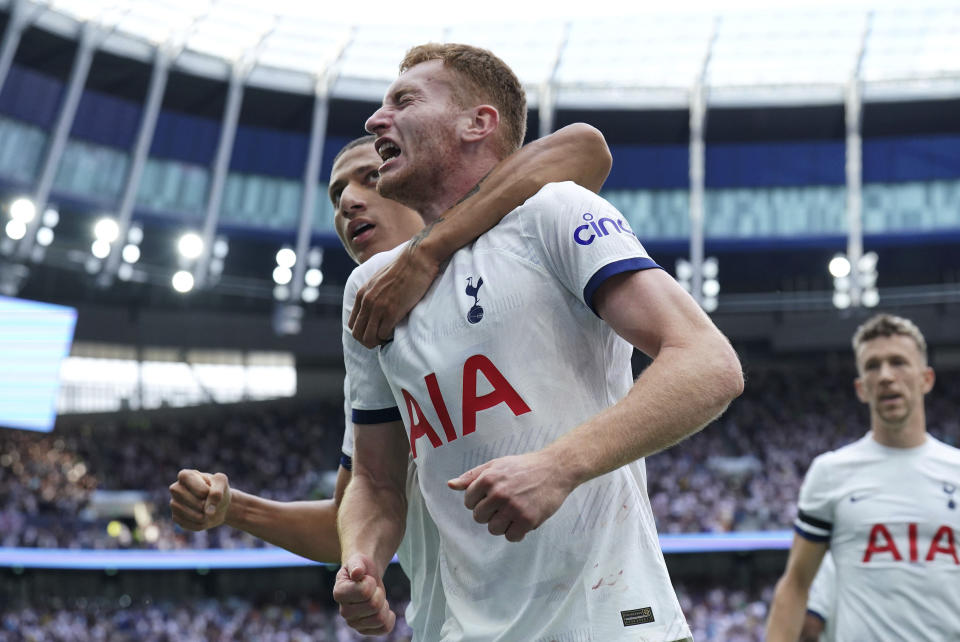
x,y
857,498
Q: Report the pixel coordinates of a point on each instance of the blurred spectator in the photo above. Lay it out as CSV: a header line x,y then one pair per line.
x,y
742,473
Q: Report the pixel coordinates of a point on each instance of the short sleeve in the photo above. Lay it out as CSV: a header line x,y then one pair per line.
x,y
346,450
822,595
583,239
367,392
815,509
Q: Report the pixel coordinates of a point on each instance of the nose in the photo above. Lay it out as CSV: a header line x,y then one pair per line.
x,y
886,371
377,122
351,201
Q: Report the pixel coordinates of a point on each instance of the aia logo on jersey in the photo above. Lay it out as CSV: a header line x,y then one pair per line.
x,y
475,314
592,230
470,402
882,543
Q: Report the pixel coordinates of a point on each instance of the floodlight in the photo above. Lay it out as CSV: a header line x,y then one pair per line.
x,y
839,266
841,300
684,270
315,258
281,293
870,298
711,288
16,229
313,277
107,230
125,272
23,210
135,234
711,268
182,281
286,258
220,248
310,294
51,217
868,262
44,236
100,249
216,266
190,245
131,253
282,275
709,304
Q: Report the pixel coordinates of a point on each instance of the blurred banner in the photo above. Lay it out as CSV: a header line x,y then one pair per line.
x,y
34,340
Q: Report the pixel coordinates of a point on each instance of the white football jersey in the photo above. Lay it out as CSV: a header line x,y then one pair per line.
x,y
502,356
892,520
822,597
419,553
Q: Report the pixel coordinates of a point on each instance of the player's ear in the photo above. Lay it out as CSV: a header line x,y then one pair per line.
x,y
929,377
861,392
483,121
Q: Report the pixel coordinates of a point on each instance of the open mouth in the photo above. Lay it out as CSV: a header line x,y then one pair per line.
x,y
388,150
360,229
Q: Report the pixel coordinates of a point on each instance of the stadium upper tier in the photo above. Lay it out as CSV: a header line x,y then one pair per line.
x,y
744,56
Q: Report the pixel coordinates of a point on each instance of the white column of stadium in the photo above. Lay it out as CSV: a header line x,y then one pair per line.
x,y
697,168
20,18
854,167
158,83
318,136
228,132
90,36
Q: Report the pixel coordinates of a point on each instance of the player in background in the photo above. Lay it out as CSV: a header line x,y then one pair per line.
x,y
886,505
817,620
367,224
516,388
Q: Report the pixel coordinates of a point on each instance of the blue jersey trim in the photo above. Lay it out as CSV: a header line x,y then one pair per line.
x,y
381,416
346,461
820,617
611,269
809,536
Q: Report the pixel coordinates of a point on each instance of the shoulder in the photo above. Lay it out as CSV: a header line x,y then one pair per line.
x,y
944,451
835,461
362,273
567,194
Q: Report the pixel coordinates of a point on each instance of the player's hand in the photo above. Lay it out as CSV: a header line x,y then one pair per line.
x,y
199,501
390,294
513,495
362,597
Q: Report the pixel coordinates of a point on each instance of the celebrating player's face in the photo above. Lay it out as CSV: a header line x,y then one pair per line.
x,y
366,222
416,132
893,379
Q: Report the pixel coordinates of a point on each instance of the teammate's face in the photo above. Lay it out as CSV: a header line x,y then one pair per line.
x,y
894,377
366,222
416,132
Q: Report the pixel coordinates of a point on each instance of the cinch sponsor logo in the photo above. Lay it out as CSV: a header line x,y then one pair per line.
x,y
591,230
882,543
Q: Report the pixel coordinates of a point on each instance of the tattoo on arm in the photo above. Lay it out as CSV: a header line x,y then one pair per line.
x,y
424,233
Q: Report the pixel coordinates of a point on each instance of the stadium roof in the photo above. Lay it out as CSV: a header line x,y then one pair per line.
x,y
804,53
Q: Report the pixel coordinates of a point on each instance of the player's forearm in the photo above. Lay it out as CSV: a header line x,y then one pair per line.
x,y
371,520
685,388
786,612
577,153
307,528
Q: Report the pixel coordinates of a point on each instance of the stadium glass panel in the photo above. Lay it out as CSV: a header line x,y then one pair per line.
x,y
173,188
21,148
95,172
253,200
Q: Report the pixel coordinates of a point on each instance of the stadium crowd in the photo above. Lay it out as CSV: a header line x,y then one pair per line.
x,y
743,473
715,614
